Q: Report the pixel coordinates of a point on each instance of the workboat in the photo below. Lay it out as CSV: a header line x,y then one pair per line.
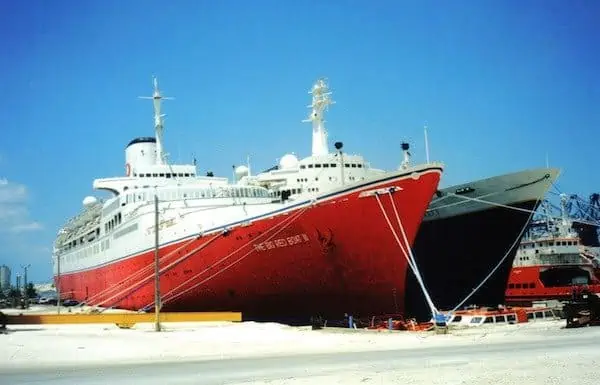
x,y
552,261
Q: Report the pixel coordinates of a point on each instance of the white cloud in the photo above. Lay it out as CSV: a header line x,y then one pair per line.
x,y
14,215
30,226
12,192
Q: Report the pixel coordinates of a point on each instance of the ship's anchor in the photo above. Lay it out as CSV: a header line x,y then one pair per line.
x,y
326,241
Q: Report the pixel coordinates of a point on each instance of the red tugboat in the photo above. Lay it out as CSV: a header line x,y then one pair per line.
x,y
552,263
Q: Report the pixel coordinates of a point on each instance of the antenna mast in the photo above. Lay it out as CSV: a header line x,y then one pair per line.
x,y
158,121
426,142
321,99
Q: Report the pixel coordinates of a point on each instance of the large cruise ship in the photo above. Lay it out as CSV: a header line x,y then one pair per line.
x,y
470,232
230,246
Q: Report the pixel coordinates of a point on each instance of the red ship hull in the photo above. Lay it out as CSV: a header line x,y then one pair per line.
x,y
336,255
525,286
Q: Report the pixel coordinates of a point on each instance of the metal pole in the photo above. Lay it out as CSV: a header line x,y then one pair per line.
x,y
426,143
342,166
58,283
157,304
18,290
25,294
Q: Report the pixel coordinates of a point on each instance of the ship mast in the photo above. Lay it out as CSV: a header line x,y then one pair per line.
x,y
158,121
321,99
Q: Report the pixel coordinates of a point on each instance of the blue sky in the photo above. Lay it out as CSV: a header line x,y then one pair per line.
x,y
501,84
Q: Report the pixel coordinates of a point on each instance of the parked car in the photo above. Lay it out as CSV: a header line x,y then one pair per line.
x,y
70,302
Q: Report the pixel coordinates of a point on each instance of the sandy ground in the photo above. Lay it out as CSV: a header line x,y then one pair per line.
x,y
542,352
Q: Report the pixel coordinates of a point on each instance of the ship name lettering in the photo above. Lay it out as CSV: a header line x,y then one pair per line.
x,y
162,225
281,242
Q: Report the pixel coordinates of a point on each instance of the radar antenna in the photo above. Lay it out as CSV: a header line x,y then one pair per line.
x,y
320,102
158,120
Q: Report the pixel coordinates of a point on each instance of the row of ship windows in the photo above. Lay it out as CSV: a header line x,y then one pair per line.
x,y
92,235
237,192
327,165
489,319
89,237
548,243
88,251
165,175
295,191
508,317
114,222
331,178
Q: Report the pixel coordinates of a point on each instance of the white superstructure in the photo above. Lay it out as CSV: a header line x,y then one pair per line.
x,y
557,245
123,225
320,172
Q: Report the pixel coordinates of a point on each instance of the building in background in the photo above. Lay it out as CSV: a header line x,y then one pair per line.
x,y
4,277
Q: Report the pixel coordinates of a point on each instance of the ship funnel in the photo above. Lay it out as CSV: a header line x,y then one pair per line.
x,y
406,156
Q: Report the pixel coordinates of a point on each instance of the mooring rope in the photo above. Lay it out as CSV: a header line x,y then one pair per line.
x,y
407,253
